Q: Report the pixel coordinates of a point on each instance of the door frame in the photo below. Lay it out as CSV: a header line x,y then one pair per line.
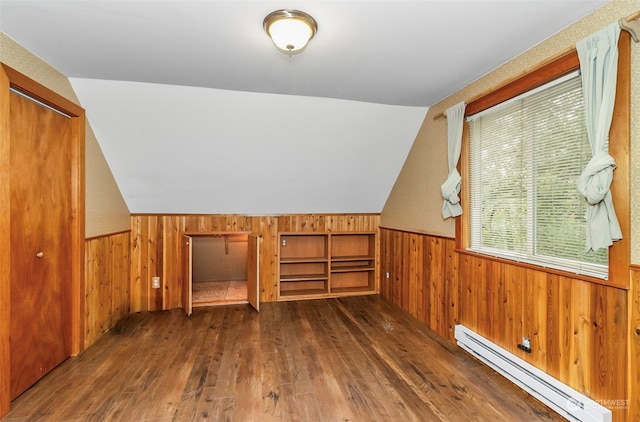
x,y
12,79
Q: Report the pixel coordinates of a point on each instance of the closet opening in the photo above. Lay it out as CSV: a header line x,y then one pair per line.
x,y
219,269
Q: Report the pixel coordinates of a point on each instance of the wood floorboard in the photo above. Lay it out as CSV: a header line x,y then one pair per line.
x,y
348,359
299,407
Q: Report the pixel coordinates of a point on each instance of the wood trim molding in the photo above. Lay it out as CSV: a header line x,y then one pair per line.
x,y
78,227
565,55
214,233
621,191
619,146
101,236
28,86
5,245
462,222
532,79
435,236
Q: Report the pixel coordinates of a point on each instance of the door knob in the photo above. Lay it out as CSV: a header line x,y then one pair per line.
x,y
40,254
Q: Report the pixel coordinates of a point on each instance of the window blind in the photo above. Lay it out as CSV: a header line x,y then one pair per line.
x,y
525,157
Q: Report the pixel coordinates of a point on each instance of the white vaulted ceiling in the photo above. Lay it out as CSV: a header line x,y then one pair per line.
x,y
197,112
190,150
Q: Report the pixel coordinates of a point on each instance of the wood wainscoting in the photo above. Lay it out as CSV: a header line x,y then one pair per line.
x,y
107,296
633,355
155,248
582,333
155,252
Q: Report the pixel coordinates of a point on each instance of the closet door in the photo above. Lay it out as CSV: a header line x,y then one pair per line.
x,y
41,238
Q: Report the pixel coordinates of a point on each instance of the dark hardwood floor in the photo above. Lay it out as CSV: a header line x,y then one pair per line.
x,y
351,359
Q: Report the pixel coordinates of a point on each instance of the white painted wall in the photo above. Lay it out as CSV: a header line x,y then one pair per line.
x,y
176,149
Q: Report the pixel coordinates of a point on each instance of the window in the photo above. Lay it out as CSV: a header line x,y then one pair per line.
x,y
525,156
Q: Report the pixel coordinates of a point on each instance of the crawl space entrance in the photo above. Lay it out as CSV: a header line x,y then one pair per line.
x,y
219,269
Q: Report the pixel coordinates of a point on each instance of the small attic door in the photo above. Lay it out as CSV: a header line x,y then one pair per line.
x,y
219,269
253,271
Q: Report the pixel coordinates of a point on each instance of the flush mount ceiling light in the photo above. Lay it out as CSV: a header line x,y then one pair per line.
x,y
290,30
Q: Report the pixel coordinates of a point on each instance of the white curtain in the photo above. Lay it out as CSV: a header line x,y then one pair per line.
x,y
451,187
598,56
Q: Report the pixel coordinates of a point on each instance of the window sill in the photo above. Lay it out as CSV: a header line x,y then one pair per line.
x,y
595,280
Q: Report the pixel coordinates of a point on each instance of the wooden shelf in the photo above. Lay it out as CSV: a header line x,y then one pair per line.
x,y
351,269
303,277
303,246
353,281
357,245
305,292
304,286
351,258
366,289
327,264
353,265
303,260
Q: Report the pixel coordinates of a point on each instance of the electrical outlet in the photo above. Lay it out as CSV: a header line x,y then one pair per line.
x,y
155,282
387,275
284,242
525,345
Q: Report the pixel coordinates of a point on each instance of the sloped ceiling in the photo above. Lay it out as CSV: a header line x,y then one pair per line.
x,y
197,112
178,149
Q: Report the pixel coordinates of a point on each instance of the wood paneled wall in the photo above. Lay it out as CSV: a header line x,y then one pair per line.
x,y
156,248
156,251
580,331
107,280
633,355
329,223
422,278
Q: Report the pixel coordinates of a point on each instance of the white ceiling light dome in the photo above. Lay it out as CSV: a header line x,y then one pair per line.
x,y
290,30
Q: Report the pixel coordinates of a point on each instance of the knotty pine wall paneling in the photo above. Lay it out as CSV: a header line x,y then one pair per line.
x,y
422,279
579,330
633,354
107,279
328,223
156,250
156,242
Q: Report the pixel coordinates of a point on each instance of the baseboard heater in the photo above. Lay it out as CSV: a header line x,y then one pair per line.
x,y
569,403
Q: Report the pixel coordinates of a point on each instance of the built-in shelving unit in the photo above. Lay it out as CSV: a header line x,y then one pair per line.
x,y
326,264
304,263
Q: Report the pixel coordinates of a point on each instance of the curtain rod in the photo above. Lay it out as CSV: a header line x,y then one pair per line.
x,y
632,16
631,24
